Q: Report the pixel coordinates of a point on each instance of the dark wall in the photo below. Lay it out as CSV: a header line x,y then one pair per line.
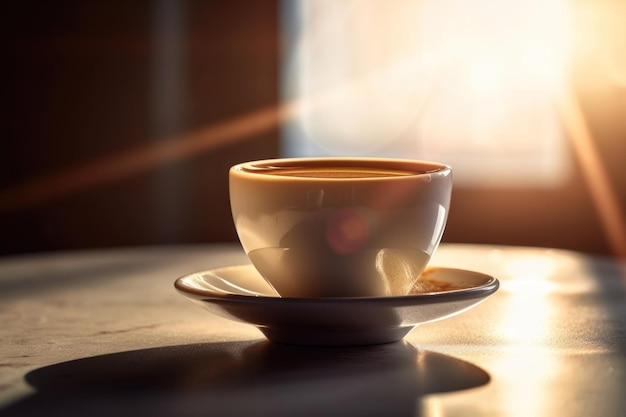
x,y
78,84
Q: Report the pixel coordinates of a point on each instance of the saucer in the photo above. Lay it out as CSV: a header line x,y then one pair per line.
x,y
241,294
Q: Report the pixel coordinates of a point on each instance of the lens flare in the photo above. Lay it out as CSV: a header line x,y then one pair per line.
x,y
347,230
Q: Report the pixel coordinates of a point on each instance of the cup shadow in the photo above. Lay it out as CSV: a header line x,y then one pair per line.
x,y
249,378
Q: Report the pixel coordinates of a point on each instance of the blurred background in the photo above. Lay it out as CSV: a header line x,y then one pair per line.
x,y
121,119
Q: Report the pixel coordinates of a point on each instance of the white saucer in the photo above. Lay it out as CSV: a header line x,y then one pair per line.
x,y
240,293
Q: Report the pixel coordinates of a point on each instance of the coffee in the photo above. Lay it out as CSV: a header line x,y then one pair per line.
x,y
340,227
334,172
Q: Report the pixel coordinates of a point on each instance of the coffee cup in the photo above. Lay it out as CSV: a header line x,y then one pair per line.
x,y
340,227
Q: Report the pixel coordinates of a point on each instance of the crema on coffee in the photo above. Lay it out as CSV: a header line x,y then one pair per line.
x,y
336,172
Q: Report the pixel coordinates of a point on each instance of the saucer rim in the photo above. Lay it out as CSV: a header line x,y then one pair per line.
x,y
480,291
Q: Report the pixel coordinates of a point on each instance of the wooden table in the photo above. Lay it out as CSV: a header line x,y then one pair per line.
x,y
104,333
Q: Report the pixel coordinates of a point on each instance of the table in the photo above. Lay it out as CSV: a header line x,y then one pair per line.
x,y
104,333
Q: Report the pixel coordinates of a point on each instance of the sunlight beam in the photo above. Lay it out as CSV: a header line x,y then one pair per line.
x,y
594,174
141,159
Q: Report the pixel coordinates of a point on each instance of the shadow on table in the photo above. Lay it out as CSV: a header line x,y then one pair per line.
x,y
247,378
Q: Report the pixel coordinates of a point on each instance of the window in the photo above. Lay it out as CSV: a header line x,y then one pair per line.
x,y
472,84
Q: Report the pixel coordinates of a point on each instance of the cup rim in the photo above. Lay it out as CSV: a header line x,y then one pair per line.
x,y
259,168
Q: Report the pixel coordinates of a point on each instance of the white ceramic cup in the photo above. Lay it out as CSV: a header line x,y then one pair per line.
x,y
340,227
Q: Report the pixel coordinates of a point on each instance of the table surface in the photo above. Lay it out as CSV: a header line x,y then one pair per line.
x,y
104,333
